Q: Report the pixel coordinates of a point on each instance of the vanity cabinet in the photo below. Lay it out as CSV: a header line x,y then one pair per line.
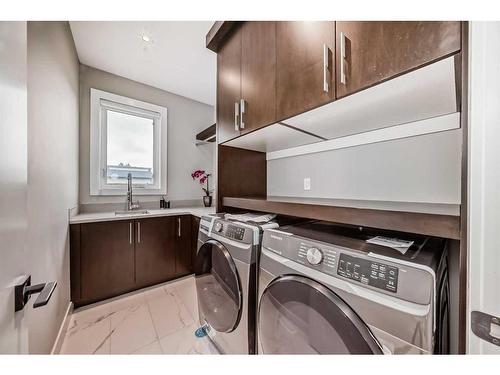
x,y
368,53
114,257
305,77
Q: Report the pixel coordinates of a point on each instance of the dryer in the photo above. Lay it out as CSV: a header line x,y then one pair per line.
x,y
324,290
226,281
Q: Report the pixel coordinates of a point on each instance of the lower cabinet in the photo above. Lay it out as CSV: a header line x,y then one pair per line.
x,y
111,258
107,259
155,250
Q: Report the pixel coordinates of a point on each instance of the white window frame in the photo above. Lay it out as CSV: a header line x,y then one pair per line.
x,y
100,102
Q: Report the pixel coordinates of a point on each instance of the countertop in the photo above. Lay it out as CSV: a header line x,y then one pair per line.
x,y
110,216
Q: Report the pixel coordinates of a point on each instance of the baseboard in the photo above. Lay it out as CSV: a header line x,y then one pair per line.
x,y
56,348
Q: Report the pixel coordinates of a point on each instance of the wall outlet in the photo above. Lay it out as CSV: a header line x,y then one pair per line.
x,y
307,183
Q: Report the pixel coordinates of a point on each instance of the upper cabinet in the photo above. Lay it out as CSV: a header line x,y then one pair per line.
x,y
270,72
305,76
246,75
371,52
258,75
229,87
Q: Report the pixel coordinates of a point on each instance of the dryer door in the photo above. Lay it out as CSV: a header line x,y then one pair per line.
x,y
298,315
218,286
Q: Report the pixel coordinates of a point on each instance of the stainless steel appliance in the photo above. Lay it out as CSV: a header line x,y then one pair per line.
x,y
324,289
226,281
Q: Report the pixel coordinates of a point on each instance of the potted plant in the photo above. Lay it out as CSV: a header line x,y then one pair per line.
x,y
202,176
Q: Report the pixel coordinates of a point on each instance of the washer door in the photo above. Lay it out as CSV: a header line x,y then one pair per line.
x,y
218,286
300,316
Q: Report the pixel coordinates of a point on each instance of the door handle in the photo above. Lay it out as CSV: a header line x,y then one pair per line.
x,y
178,227
242,112
236,115
325,67
130,233
23,292
138,232
342,58
486,327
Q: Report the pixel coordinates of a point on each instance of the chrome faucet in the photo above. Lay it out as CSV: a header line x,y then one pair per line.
x,y
130,201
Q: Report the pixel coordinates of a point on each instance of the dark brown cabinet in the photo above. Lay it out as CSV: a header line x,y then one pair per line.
x,y
183,258
111,258
155,250
246,75
305,66
368,53
229,88
106,259
195,226
258,75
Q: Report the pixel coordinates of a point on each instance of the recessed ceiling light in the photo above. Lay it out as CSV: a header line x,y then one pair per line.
x,y
145,38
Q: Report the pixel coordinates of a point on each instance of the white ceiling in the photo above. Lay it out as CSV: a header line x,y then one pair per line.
x,y
175,60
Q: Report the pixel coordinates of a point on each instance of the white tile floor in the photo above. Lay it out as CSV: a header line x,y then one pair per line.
x,y
161,320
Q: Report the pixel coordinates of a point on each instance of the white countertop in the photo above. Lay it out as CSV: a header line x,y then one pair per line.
x,y
110,216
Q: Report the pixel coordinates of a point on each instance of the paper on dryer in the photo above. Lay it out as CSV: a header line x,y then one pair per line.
x,y
395,243
256,218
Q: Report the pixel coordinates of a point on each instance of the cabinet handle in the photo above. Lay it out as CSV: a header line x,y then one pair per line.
x,y
242,111
342,58
236,115
178,227
325,68
138,232
130,233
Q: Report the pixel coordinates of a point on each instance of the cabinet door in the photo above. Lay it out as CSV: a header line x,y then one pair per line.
x,y
183,256
155,250
305,66
376,51
258,75
107,259
195,227
229,88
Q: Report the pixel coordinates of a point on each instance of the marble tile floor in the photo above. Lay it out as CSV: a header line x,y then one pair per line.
x,y
159,320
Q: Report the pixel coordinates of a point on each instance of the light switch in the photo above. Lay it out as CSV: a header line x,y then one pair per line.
x,y
307,183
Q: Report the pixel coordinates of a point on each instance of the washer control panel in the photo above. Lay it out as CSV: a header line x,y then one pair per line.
x,y
229,230
234,232
321,258
378,275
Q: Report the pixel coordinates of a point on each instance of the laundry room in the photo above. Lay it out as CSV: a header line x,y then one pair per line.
x,y
252,186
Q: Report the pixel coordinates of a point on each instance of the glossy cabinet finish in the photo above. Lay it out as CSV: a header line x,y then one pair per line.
x,y
155,250
258,75
371,52
304,63
111,258
229,87
106,259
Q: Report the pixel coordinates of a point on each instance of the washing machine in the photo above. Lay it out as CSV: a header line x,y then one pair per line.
x,y
323,289
226,281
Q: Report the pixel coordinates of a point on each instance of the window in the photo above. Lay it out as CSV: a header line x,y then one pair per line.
x,y
127,136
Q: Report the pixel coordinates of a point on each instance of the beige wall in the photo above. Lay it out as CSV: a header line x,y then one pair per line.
x,y
186,118
52,169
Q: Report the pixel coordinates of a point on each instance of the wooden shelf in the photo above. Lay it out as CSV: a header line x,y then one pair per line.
x,y
208,135
446,226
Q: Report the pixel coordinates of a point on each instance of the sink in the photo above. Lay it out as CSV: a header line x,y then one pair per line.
x,y
132,212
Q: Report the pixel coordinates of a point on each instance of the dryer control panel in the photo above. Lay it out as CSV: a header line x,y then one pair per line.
x,y
367,272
